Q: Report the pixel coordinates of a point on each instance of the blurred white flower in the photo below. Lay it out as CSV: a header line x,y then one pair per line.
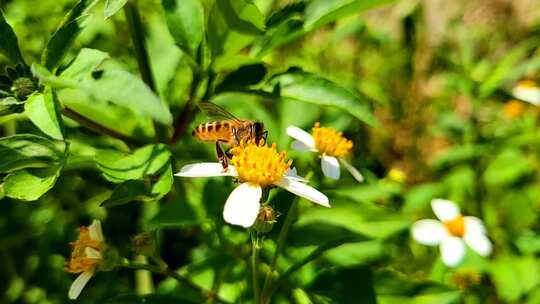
x,y
330,144
256,167
86,255
528,91
452,232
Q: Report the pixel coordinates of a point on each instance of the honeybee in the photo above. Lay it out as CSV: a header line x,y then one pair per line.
x,y
227,129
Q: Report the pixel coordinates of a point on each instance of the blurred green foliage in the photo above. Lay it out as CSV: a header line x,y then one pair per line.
x,y
97,100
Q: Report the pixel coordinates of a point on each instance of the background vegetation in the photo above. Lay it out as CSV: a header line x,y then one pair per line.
x,y
102,118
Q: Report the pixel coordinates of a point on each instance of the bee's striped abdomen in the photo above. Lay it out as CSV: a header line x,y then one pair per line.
x,y
213,131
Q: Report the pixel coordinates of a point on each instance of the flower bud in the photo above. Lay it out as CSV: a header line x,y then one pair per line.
x,y
22,87
265,220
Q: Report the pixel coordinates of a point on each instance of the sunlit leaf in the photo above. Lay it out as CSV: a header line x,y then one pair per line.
x,y
118,166
112,7
185,19
30,184
62,39
310,88
43,112
27,151
320,12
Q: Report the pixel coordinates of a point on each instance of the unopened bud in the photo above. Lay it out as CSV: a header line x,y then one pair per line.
x,y
265,220
22,87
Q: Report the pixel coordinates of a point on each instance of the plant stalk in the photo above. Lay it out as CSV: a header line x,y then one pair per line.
x,y
255,266
266,293
166,271
136,31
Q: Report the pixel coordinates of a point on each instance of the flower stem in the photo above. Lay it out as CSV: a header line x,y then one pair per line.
x,y
136,31
91,124
266,293
166,271
255,266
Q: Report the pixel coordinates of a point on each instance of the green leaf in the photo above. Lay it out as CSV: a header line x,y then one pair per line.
x,y
185,19
364,219
42,110
243,77
27,150
138,190
321,12
9,45
146,161
30,184
116,86
508,167
277,36
232,25
87,61
515,276
354,254
125,89
62,39
310,88
112,7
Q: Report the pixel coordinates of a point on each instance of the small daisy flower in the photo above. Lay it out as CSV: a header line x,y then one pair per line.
x,y
528,91
330,144
452,232
255,167
86,256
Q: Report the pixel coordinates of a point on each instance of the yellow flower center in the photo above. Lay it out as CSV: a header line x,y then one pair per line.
x,y
79,261
330,141
259,164
456,227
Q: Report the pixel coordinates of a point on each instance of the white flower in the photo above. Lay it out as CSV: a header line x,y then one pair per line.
x,y
330,144
452,232
85,257
256,167
528,91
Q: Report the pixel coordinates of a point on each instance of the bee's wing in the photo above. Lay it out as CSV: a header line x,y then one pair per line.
x,y
215,112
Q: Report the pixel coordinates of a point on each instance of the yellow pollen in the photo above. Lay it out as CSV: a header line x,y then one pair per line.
x,y
330,141
527,84
79,262
456,227
259,164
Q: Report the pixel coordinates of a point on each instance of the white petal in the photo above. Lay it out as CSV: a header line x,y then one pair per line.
x,y
95,231
300,146
428,232
242,205
302,136
445,210
474,224
330,167
529,94
303,190
452,251
478,242
292,174
352,170
79,283
92,253
206,170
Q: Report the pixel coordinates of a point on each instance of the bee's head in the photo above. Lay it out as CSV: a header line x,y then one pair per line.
x,y
259,132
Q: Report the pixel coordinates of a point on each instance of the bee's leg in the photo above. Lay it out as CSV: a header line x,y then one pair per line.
x,y
228,153
221,157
